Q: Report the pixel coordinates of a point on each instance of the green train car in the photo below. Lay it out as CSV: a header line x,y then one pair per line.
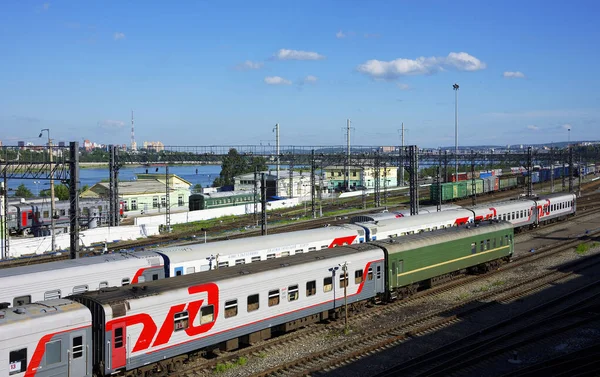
x,y
424,260
220,199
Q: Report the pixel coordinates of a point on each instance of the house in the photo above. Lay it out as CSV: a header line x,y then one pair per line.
x,y
300,183
148,191
359,176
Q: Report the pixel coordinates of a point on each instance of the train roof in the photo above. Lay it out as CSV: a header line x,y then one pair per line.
x,y
409,242
417,220
118,294
400,213
38,310
222,194
23,271
233,248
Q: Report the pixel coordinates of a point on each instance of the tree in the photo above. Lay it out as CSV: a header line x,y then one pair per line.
x,y
23,192
61,192
197,188
236,164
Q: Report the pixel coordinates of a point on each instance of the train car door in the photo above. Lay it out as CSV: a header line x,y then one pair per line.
x,y
119,350
78,355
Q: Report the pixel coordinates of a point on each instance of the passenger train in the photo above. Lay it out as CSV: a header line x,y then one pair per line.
x,y
26,284
150,329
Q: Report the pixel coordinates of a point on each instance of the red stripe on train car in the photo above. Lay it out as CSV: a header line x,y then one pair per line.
x,y
341,241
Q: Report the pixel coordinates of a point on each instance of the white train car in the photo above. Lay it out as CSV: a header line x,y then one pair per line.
x,y
221,308
520,213
202,257
399,214
555,207
416,224
53,280
46,339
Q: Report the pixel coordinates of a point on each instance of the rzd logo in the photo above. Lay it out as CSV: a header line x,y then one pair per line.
x,y
149,331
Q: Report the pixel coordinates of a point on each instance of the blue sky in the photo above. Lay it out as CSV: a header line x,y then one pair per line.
x,y
224,72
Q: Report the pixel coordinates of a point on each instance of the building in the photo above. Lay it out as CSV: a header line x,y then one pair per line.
x,y
156,146
300,184
334,177
147,192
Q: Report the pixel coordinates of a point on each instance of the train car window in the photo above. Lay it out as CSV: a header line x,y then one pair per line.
x,y
141,279
253,303
29,215
327,284
324,247
17,361
255,259
293,293
21,300
343,280
494,243
80,289
510,238
155,276
370,274
188,270
231,308
487,244
311,288
181,321
223,264
53,352
481,246
312,249
77,347
473,247
103,284
119,337
240,261
274,297
125,282
506,239
270,256
207,314
51,295
63,212
378,272
287,253
358,276
46,214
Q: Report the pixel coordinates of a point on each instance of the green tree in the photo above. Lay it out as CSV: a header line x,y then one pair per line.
x,y
197,188
23,192
61,192
236,164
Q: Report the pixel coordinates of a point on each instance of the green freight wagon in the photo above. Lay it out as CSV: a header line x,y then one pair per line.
x,y
220,199
450,191
478,186
430,257
507,182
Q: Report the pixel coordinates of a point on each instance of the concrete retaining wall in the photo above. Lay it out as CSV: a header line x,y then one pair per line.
x,y
41,245
187,217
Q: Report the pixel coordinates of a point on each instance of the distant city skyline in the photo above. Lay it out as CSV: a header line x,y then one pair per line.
x,y
210,73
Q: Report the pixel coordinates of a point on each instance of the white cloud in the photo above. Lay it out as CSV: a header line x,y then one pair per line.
x,y
513,75
276,80
390,70
310,79
402,86
567,126
340,34
111,124
118,35
285,54
248,64
533,128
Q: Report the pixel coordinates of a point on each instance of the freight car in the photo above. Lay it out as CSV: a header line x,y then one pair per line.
x,y
220,199
150,329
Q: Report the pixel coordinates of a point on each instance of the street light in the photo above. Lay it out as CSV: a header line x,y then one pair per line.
x,y
455,87
52,214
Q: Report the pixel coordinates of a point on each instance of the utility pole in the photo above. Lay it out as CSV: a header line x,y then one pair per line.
x,y
344,267
52,211
3,232
402,154
347,170
263,202
276,129
167,200
455,87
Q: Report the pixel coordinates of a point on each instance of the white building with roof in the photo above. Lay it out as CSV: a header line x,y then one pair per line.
x,y
297,187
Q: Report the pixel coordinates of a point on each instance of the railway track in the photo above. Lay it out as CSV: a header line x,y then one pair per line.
x,y
356,348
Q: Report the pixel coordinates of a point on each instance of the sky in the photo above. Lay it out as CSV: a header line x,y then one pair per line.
x,y
201,73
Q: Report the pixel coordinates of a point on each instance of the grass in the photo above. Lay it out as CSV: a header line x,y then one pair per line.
x,y
223,367
582,248
491,285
